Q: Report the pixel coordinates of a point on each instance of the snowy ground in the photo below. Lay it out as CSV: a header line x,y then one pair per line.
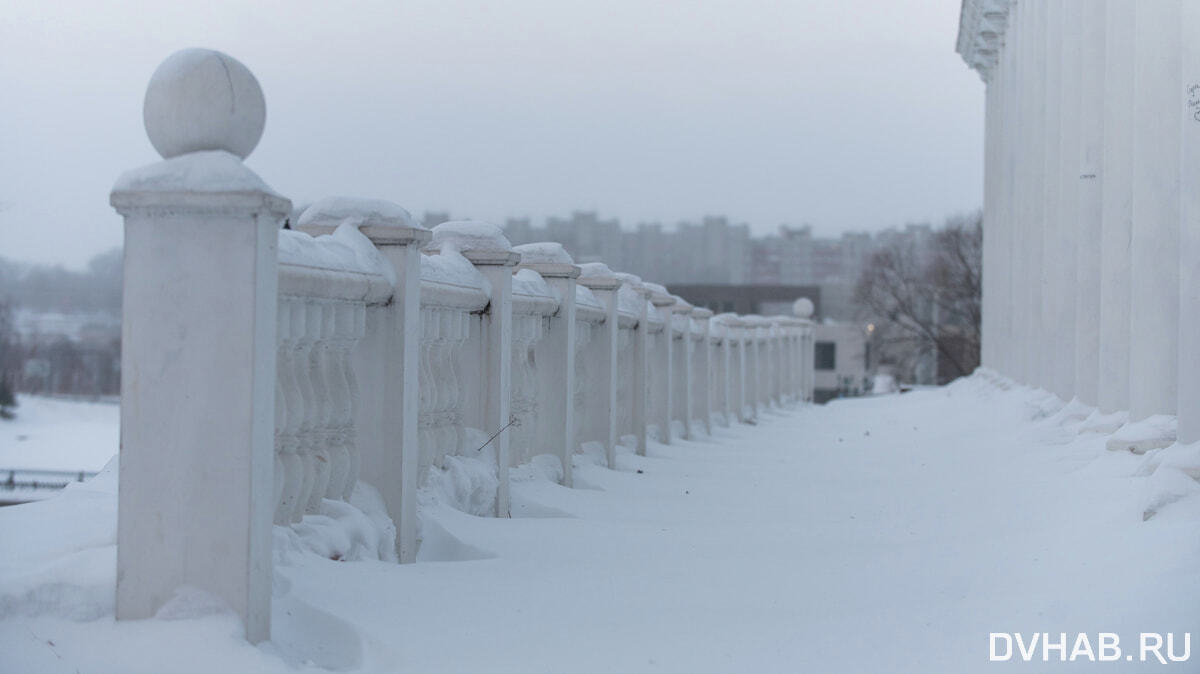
x,y
888,534
59,434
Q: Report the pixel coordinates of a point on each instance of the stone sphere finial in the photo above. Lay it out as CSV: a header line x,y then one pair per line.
x,y
802,308
200,99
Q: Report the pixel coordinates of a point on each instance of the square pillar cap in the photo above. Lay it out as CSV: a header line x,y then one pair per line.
x,y
681,306
547,258
482,243
635,283
659,296
598,276
209,181
383,222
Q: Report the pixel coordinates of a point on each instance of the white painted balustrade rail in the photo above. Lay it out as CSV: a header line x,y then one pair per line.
x,y
269,370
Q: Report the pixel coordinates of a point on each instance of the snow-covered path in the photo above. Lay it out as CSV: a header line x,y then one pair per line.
x,y
889,534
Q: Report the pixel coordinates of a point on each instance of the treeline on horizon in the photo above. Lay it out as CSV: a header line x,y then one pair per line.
x,y
54,288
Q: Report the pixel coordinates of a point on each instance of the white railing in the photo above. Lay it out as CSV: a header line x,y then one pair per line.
x,y
267,371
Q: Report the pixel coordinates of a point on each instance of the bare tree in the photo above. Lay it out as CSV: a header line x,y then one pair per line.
x,y
925,297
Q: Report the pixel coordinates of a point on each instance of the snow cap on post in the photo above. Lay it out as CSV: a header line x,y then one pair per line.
x,y
547,258
381,221
201,99
659,296
480,242
803,308
681,306
598,276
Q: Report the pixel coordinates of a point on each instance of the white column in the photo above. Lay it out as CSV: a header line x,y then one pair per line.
x,y
641,370
198,348
1189,231
1050,292
1009,347
664,366
742,399
556,373
387,359
1032,169
683,392
484,245
990,299
1116,207
1020,105
1154,312
1092,102
1066,228
598,278
704,368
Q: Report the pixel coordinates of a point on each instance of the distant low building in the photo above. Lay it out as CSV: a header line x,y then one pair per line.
x,y
840,355
765,300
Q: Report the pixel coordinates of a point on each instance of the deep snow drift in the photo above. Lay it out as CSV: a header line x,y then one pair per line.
x,y
885,534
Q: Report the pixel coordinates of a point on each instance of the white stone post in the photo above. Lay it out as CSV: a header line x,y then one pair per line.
x,y
778,363
387,358
753,364
198,350
1087,240
704,367
1189,232
556,375
744,379
726,354
641,369
1154,314
682,383
662,301
484,245
1116,205
597,277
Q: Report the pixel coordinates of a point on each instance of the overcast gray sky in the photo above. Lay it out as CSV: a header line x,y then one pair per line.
x,y
846,114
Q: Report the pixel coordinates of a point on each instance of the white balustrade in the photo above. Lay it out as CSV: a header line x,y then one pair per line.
x,y
323,296
453,293
348,349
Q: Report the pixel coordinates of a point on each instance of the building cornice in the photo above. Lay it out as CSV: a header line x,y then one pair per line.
x,y
981,28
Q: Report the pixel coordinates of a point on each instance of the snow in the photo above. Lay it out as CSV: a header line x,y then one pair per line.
x,y
346,249
449,266
585,296
207,171
59,434
596,270
1157,430
467,235
628,300
891,533
363,211
529,282
546,252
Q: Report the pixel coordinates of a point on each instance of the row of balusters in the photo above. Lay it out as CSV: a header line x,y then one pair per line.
x,y
444,335
315,397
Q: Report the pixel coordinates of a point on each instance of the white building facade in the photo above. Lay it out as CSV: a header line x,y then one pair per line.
x,y
1091,259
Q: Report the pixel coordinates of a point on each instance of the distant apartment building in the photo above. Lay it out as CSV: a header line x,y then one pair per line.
x,y
716,252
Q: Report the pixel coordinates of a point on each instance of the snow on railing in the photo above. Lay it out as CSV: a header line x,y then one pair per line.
x,y
325,285
269,370
453,293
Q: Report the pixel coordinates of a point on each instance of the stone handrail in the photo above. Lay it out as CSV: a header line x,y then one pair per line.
x,y
362,347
